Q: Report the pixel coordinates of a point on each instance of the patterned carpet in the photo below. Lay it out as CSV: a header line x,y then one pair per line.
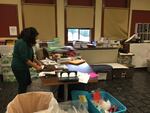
x,y
133,93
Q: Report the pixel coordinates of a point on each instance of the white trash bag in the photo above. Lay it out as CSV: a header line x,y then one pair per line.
x,y
33,102
38,102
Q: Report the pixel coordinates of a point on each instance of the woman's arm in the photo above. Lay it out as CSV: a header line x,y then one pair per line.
x,y
34,65
37,61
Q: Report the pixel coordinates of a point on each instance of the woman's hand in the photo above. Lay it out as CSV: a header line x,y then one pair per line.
x,y
38,68
38,62
34,65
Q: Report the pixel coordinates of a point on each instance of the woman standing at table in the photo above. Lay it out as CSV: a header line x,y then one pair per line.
x,y
23,58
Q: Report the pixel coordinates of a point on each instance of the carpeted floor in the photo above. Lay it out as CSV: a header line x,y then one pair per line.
x,y
133,93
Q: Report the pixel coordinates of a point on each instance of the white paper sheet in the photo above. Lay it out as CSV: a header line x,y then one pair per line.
x,y
83,77
13,30
41,74
48,62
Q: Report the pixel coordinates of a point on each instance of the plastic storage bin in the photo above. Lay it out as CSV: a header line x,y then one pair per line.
x,y
73,107
105,95
75,94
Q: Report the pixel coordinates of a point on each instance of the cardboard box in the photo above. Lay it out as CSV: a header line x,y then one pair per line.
x,y
102,76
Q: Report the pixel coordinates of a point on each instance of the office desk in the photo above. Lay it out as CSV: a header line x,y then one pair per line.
x,y
53,81
84,68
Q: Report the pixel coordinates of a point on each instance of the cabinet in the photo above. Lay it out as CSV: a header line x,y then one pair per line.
x,y
141,53
95,56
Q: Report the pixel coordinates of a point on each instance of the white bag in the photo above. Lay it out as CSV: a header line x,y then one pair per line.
x,y
31,102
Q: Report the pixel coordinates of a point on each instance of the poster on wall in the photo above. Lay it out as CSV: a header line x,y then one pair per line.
x,y
13,30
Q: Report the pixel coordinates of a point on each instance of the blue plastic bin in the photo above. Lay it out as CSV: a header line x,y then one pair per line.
x,y
105,95
75,94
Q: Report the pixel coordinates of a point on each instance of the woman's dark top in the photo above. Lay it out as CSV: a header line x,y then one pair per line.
x,y
22,53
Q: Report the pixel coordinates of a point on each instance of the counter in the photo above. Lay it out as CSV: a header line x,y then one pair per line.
x,y
99,55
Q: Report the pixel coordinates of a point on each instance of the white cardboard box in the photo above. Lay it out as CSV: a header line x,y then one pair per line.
x,y
102,76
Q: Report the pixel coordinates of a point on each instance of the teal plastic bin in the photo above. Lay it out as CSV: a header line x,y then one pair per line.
x,y
76,93
105,95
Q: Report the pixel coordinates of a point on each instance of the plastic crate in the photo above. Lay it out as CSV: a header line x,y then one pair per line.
x,y
74,106
75,94
105,95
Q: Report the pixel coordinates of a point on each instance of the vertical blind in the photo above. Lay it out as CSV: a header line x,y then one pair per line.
x,y
116,23
80,17
41,17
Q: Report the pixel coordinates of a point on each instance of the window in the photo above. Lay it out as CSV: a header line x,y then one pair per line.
x,y
143,30
75,34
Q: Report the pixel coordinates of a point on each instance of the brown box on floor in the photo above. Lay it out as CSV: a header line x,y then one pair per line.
x,y
122,73
119,73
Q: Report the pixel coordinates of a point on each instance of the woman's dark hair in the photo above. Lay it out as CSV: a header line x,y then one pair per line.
x,y
29,35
